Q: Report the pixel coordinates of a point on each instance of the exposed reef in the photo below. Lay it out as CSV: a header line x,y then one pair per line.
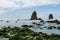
x,y
54,21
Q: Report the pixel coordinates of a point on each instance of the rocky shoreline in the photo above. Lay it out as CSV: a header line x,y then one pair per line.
x,y
24,33
53,21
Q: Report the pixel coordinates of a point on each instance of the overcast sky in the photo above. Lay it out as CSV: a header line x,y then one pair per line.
x,y
11,9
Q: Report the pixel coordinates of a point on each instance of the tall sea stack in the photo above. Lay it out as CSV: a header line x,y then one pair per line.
x,y
50,16
34,16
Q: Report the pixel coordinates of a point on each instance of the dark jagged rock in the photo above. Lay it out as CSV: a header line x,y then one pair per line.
x,y
42,21
54,21
34,16
50,16
39,19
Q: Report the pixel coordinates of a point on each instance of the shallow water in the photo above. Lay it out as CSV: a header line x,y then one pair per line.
x,y
35,28
4,38
55,31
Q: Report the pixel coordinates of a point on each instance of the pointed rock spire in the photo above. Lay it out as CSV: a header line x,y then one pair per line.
x,y
50,16
34,16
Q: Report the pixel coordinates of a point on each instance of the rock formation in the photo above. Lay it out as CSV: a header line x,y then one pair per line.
x,y
54,21
50,16
39,19
34,16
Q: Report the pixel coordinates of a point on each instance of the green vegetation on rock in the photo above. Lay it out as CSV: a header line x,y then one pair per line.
x,y
24,33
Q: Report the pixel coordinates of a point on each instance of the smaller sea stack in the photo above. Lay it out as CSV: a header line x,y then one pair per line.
x,y
50,16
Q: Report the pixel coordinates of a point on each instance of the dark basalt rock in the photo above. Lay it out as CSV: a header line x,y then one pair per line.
x,y
54,21
42,21
39,19
50,16
34,16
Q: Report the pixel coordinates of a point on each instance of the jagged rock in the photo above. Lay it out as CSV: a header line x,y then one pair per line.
x,y
34,16
54,21
39,19
42,21
50,16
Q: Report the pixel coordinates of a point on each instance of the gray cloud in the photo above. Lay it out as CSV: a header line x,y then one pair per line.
x,y
7,5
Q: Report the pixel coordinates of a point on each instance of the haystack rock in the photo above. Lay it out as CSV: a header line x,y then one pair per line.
x,y
34,16
50,16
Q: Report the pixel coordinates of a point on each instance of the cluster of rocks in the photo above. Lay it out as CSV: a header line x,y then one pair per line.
x,y
34,16
54,21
